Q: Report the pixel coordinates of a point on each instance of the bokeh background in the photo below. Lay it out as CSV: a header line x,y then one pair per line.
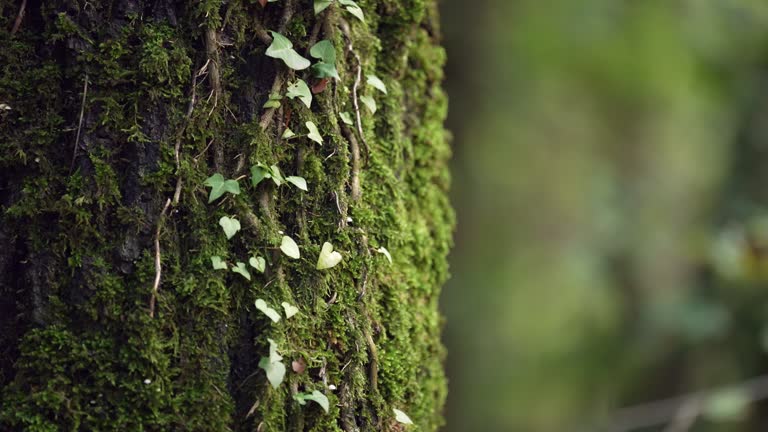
x,y
611,181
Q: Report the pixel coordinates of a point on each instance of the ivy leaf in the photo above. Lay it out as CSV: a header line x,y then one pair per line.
x,y
258,173
218,263
346,118
402,417
369,102
321,5
274,357
383,250
328,257
276,176
230,225
258,263
282,48
353,8
268,311
288,134
300,90
271,103
219,186
290,310
315,396
326,53
240,269
275,371
299,182
290,248
314,134
376,83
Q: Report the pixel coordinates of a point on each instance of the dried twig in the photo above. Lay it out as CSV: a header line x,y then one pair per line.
x,y
79,123
19,17
158,263
177,147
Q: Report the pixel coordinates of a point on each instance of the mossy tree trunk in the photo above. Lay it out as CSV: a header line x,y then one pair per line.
x,y
113,115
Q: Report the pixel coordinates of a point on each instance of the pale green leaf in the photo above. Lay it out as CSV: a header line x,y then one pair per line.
x,y
299,182
314,134
268,311
288,133
369,102
402,417
290,310
259,173
277,177
383,250
258,263
315,396
324,51
300,90
230,225
353,8
328,257
290,248
271,103
282,48
218,263
376,83
219,186
242,270
346,118
275,371
325,70
321,5
274,357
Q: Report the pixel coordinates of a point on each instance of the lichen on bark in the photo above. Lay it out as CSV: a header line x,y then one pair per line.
x,y
117,108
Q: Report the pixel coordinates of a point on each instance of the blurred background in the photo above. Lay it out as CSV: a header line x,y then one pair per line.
x,y
611,181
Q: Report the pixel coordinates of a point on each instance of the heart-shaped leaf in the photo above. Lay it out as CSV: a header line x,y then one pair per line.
x,y
300,90
290,248
274,357
276,176
259,173
376,83
258,263
346,118
369,102
314,134
353,8
328,257
321,5
219,186
242,270
290,310
315,396
230,225
218,263
326,53
282,48
268,311
275,371
299,182
402,417
288,134
385,252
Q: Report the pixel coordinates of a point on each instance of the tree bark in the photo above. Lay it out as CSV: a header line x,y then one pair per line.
x,y
113,115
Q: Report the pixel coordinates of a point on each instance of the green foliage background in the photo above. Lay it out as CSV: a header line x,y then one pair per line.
x,y
610,182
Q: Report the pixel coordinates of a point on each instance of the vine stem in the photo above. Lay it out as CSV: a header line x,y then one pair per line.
x,y
158,261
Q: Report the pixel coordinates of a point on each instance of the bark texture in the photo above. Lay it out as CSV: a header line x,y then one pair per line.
x,y
114,113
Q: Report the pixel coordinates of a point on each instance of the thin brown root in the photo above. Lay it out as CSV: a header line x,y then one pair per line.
x,y
19,17
79,123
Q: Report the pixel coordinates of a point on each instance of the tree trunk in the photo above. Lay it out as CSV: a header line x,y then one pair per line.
x,y
113,116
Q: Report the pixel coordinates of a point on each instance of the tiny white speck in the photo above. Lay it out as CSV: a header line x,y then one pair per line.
x,y
349,219
37,159
332,387
147,381
93,402
281,232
